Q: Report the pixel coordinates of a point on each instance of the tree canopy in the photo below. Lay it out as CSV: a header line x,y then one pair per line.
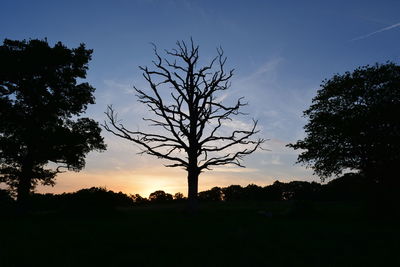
x,y
41,97
354,124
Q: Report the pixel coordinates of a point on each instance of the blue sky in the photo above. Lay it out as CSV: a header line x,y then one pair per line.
x,y
280,50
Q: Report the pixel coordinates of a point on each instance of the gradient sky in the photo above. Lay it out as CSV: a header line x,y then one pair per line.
x,y
280,50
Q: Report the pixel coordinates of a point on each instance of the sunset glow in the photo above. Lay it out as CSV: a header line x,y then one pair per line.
x,y
145,181
280,56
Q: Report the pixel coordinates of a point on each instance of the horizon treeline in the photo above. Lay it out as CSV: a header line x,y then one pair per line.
x,y
348,187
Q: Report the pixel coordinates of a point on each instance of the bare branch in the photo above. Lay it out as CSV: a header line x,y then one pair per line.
x,y
191,116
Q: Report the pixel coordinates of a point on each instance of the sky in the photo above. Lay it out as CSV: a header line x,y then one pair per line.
x,y
280,50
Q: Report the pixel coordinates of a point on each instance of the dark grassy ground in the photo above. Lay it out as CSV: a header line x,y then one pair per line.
x,y
222,234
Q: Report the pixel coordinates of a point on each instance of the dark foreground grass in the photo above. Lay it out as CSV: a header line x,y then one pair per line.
x,y
222,234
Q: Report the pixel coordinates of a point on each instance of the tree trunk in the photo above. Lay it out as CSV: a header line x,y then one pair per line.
x,y
24,187
193,179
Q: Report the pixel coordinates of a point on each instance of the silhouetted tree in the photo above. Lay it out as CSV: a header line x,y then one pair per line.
x,y
40,99
253,192
300,190
179,196
184,101
350,186
5,197
214,194
138,199
94,200
99,198
354,124
160,196
233,192
274,192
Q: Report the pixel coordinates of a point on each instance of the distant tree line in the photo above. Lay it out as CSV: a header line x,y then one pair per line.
x,y
349,187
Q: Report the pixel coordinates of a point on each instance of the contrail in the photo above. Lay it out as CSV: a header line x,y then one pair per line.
x,y
378,31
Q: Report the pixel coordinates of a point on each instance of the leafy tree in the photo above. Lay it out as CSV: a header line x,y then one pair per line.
x,y
179,196
253,192
187,109
98,197
233,192
160,196
300,190
350,186
274,192
40,101
354,125
214,194
138,199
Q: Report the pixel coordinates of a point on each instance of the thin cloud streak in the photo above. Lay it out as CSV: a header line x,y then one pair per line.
x,y
375,32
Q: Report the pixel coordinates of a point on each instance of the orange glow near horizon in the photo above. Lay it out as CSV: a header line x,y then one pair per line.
x,y
144,181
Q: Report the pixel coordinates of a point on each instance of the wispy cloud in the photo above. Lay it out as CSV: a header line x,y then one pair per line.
x,y
267,71
125,87
228,169
375,32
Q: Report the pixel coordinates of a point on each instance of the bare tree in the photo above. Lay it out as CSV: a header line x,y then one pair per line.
x,y
185,105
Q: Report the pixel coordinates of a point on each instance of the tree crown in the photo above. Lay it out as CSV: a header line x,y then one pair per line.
x,y
40,98
184,101
354,123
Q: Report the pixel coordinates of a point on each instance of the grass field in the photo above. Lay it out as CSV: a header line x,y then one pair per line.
x,y
221,234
